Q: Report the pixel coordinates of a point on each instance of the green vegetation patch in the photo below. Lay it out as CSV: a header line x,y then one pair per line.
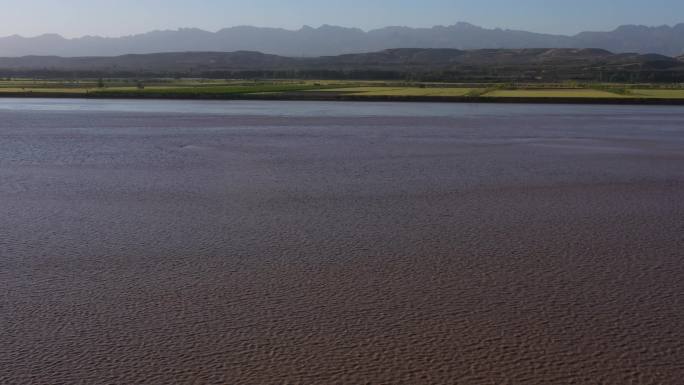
x,y
205,90
554,93
659,93
17,90
402,91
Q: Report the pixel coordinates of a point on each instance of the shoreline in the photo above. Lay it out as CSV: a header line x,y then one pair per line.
x,y
321,97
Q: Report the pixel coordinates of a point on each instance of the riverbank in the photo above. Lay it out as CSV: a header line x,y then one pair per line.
x,y
341,97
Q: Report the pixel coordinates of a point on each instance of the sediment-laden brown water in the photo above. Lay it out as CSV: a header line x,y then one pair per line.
x,y
320,243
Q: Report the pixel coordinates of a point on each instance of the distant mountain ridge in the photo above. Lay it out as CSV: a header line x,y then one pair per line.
x,y
332,40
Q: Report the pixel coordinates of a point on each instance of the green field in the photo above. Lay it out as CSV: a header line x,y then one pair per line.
x,y
157,89
554,93
659,93
323,90
205,90
493,92
75,91
402,91
107,84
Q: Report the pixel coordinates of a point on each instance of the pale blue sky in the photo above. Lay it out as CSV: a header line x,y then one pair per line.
x,y
122,17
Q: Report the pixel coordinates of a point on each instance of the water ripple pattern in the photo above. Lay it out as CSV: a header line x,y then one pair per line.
x,y
328,243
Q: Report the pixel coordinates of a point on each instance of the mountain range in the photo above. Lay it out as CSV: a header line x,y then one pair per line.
x,y
332,40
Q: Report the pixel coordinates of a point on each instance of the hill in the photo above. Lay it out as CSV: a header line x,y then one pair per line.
x,y
333,40
408,63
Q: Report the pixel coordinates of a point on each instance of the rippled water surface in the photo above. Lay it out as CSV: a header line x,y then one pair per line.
x,y
305,242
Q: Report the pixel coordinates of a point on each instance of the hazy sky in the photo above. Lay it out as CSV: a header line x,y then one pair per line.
x,y
122,17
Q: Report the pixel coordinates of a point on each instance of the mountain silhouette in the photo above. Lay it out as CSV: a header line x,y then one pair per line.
x,y
332,40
